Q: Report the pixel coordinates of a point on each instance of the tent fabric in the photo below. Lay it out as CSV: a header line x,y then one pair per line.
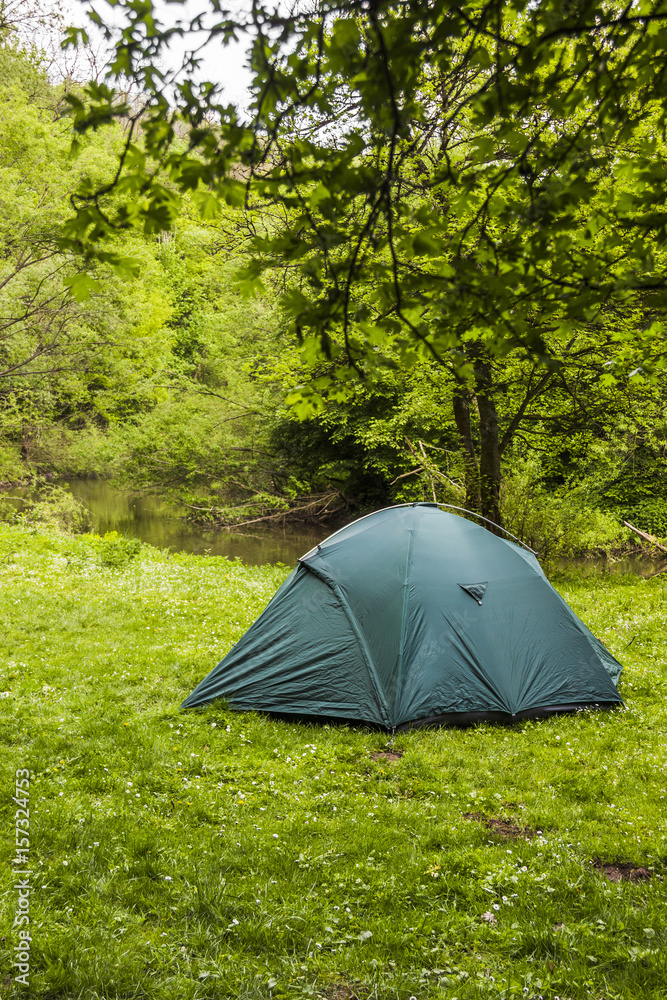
x,y
377,624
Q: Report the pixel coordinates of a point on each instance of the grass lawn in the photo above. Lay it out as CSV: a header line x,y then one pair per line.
x,y
214,854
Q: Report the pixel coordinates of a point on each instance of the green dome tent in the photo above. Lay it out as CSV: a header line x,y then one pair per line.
x,y
412,616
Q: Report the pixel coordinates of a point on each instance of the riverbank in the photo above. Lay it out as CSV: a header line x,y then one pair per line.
x,y
214,854
93,504
154,521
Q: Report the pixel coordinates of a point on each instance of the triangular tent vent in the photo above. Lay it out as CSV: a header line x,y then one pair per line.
x,y
476,590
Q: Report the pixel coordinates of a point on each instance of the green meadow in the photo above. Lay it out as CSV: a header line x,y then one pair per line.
x,y
214,854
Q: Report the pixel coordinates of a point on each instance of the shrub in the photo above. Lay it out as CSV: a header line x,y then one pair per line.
x,y
558,522
55,507
117,551
649,515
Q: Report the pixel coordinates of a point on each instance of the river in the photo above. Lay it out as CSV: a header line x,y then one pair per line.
x,y
157,522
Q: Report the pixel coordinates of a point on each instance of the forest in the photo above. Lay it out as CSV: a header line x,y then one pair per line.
x,y
202,348
422,260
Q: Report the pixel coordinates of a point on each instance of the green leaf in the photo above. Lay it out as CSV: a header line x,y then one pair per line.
x,y
73,37
318,195
81,286
207,204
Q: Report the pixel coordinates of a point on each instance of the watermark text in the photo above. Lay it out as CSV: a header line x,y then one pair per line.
x,y
22,875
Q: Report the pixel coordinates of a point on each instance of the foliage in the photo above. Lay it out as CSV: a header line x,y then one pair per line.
x,y
557,522
65,358
37,314
396,437
42,331
214,853
12,469
177,379
80,373
446,174
638,492
445,181
649,515
53,506
116,551
86,450
368,445
204,441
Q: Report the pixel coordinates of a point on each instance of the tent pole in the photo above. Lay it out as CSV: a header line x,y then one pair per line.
x,y
449,506
475,514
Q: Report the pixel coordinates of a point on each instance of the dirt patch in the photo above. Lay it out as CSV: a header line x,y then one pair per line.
x,y
621,871
391,756
503,826
341,991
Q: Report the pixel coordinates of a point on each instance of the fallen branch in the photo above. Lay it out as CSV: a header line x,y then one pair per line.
x,y
412,472
428,472
264,508
429,468
286,514
647,538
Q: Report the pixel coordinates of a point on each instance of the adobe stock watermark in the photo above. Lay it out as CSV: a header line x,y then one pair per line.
x,y
22,884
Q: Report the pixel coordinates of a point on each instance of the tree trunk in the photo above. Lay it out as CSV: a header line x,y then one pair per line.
x,y
27,435
489,452
461,405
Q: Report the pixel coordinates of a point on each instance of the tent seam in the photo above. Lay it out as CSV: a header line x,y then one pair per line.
x,y
399,673
354,625
316,548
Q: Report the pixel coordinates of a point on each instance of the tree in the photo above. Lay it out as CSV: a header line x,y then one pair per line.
x,y
38,315
418,431
77,344
25,19
444,179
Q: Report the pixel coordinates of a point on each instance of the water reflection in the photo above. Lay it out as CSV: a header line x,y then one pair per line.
x,y
636,564
156,522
